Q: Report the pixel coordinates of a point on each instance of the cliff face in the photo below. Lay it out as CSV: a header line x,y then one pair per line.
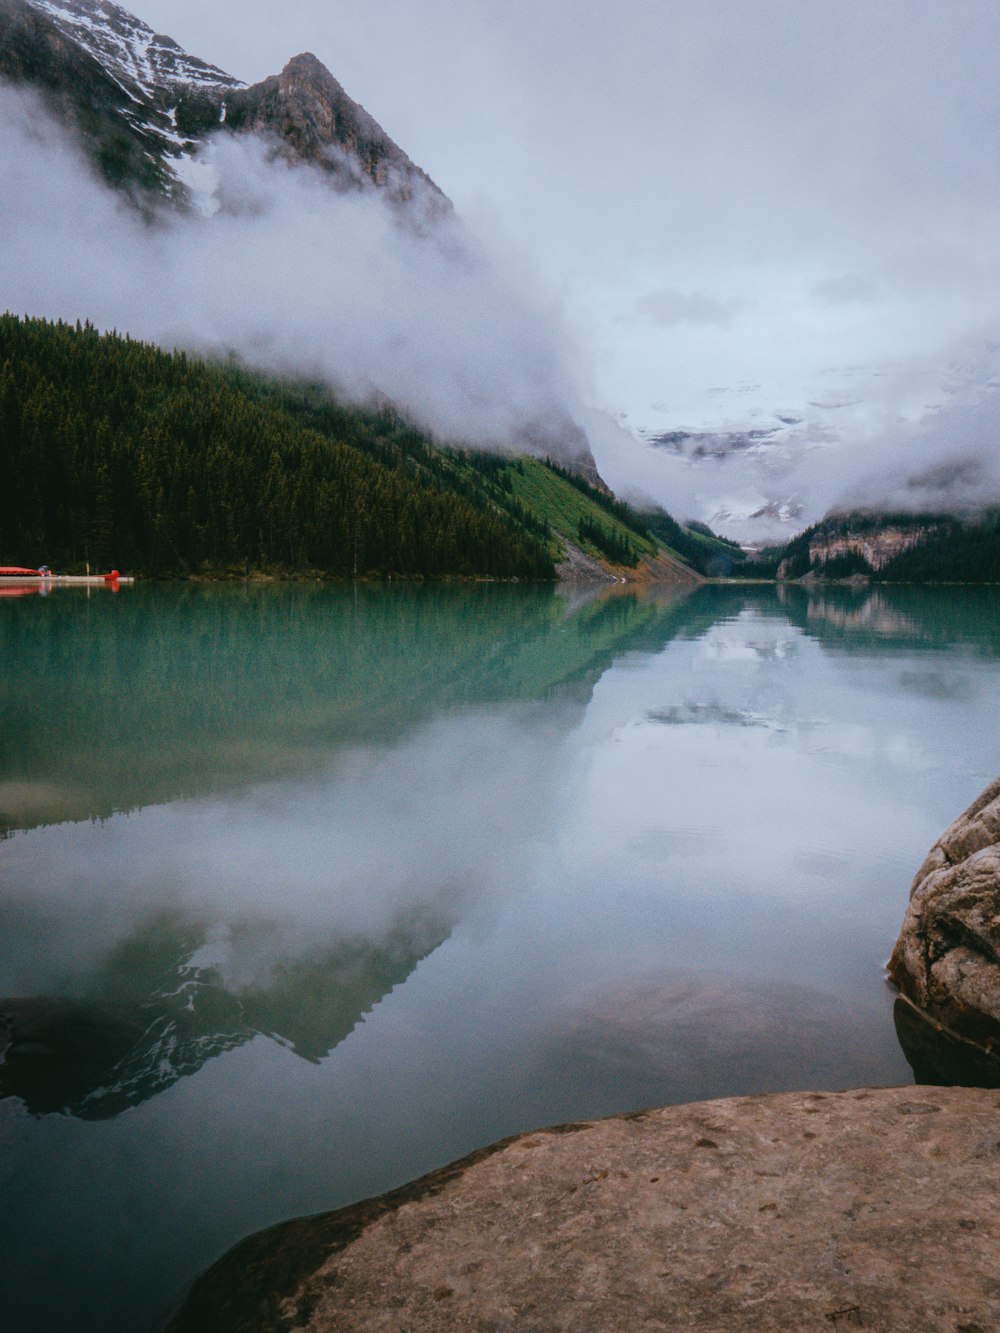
x,y
854,545
314,120
877,547
142,105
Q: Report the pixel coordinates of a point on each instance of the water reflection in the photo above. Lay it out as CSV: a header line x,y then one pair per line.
x,y
700,715
290,911
856,619
111,704
161,1007
406,872
938,1056
673,1035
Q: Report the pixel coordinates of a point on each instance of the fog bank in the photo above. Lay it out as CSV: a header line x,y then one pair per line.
x,y
294,277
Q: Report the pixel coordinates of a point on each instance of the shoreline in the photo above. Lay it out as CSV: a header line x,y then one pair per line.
x,y
58,580
873,1208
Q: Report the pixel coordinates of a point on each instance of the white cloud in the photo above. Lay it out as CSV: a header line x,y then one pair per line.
x,y
668,307
295,277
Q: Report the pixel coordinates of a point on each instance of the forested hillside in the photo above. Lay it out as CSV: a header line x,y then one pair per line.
x,y
887,548
958,552
117,453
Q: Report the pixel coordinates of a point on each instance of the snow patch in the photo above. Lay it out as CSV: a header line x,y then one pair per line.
x,y
200,178
129,50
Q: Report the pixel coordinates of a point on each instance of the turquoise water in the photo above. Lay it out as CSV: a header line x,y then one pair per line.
x,y
307,891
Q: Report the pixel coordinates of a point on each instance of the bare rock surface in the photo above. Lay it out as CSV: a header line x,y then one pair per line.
x,y
868,1209
946,962
310,114
579,567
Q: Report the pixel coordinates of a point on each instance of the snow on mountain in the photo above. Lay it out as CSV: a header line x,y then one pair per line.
x,y
143,107
144,62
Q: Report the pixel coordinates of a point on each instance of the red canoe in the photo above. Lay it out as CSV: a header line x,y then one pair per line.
x,y
15,571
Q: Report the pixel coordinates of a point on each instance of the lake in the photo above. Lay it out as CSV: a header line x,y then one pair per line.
x,y
305,891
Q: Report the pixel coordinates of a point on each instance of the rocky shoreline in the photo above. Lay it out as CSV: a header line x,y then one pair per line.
x,y
867,1209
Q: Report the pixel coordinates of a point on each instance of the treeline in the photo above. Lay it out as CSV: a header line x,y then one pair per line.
x,y
116,453
954,550
957,552
495,469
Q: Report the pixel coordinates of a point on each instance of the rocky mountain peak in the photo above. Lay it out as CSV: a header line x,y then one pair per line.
x,y
318,122
143,107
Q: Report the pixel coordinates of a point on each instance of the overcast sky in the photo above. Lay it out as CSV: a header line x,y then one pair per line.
x,y
745,204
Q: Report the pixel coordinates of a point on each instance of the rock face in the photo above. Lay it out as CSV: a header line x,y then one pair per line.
x,y
126,133
876,547
946,963
314,119
142,106
871,1209
856,543
579,567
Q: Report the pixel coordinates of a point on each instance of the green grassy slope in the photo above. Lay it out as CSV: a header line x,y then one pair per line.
x,y
560,506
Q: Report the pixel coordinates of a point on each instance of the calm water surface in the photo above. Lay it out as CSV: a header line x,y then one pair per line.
x,y
307,891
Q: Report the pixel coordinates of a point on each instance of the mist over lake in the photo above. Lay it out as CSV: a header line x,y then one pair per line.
x,y
307,890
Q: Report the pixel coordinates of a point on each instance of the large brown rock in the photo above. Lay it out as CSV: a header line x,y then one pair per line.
x,y
870,1209
946,963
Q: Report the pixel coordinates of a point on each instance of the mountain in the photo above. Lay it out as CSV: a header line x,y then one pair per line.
x,y
145,111
712,452
700,445
144,107
887,548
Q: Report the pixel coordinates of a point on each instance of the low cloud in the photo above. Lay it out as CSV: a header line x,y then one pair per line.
x,y
847,289
457,329
420,830
294,277
669,308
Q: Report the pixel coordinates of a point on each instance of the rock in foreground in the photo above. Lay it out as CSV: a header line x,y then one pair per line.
x,y
946,963
870,1209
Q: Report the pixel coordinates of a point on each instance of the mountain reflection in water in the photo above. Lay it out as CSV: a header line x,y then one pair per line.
x,y
164,692
306,891
162,1008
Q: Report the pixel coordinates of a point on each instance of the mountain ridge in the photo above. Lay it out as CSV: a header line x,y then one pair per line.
x,y
144,107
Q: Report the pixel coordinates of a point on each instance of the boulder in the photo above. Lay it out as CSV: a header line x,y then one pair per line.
x,y
946,963
869,1209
